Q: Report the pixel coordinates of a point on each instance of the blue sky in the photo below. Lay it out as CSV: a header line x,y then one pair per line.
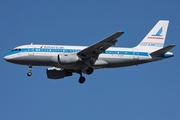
x,y
145,92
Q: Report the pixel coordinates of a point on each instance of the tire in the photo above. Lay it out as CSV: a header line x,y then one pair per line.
x,y
90,70
82,80
29,74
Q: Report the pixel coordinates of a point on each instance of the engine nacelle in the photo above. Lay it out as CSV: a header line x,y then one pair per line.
x,y
57,73
66,59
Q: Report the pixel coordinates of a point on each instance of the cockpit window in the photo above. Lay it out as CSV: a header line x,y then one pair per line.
x,y
16,50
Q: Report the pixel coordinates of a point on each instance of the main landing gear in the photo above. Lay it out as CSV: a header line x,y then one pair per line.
x,y
83,79
30,71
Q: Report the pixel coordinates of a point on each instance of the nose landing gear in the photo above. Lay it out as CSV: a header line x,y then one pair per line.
x,y
30,71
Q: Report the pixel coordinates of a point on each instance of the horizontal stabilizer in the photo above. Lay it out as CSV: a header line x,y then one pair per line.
x,y
162,50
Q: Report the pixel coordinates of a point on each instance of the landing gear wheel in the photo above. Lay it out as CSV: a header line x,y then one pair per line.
x,y
30,71
29,74
82,80
90,70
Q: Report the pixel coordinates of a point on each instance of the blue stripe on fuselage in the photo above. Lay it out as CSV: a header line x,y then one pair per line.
x,y
76,50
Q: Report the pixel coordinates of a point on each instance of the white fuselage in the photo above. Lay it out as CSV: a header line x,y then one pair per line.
x,y
66,60
45,55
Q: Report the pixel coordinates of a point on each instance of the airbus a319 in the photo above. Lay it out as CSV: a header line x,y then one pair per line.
x,y
66,60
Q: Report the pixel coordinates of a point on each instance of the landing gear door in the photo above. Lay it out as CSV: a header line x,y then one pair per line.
x,y
135,54
31,50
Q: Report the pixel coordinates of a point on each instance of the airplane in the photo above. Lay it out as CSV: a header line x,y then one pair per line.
x,y
66,60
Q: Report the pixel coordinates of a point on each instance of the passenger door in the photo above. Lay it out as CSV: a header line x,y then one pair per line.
x,y
31,50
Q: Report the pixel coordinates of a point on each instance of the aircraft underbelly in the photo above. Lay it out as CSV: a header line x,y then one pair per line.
x,y
122,61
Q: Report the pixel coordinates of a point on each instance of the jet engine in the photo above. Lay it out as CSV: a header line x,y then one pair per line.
x,y
57,73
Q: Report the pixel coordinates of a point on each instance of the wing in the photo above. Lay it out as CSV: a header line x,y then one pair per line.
x,y
99,47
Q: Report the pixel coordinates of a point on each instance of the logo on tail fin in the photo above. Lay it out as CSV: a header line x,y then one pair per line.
x,y
158,33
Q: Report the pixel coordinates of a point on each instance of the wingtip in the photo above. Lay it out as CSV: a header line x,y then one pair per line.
x,y
173,45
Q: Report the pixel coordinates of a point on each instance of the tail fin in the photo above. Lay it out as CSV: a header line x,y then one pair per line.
x,y
155,39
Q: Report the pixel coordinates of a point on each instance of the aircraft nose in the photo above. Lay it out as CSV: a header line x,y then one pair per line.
x,y
6,58
11,59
